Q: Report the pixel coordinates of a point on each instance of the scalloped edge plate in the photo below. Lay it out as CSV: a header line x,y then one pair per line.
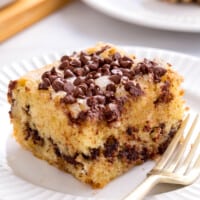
x,y
152,13
16,183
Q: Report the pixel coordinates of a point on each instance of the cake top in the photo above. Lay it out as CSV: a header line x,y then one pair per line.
x,y
101,80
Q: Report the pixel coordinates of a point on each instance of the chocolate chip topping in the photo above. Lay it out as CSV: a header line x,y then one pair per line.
x,y
134,90
45,84
58,85
64,65
78,74
115,78
150,67
111,112
68,99
65,58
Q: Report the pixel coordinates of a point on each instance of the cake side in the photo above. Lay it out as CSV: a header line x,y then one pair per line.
x,y
97,113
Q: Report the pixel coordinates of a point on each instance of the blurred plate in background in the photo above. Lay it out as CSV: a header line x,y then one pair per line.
x,y
152,13
4,2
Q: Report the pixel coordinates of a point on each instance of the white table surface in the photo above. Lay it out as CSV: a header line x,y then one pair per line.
x,y
78,25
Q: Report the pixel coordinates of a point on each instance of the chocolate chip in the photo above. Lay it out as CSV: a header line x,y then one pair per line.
x,y
45,84
58,85
166,96
150,67
142,69
117,72
27,109
110,97
125,63
79,71
158,73
110,146
93,66
68,99
77,81
65,58
82,116
71,159
115,78
92,84
97,75
89,93
172,132
53,71
100,99
114,65
111,87
129,153
68,73
105,71
116,56
106,66
86,69
68,87
146,128
129,73
131,129
95,58
95,153
76,63
111,113
84,87
102,50
33,134
124,79
84,58
165,86
64,65
134,90
96,90
45,75
52,78
78,93
89,81
107,60
91,101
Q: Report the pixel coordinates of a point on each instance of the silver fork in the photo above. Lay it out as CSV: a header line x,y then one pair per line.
x,y
173,167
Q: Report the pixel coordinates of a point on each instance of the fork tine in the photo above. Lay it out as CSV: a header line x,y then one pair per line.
x,y
171,146
183,147
187,162
195,171
197,164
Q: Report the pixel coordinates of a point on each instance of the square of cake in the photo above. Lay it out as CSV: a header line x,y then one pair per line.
x,y
98,112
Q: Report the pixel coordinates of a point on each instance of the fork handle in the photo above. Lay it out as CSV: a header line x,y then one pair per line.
x,y
143,189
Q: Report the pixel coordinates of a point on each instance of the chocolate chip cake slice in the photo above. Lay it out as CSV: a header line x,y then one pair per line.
x,y
98,112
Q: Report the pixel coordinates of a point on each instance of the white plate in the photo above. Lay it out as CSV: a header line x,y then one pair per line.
x,y
24,177
152,13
